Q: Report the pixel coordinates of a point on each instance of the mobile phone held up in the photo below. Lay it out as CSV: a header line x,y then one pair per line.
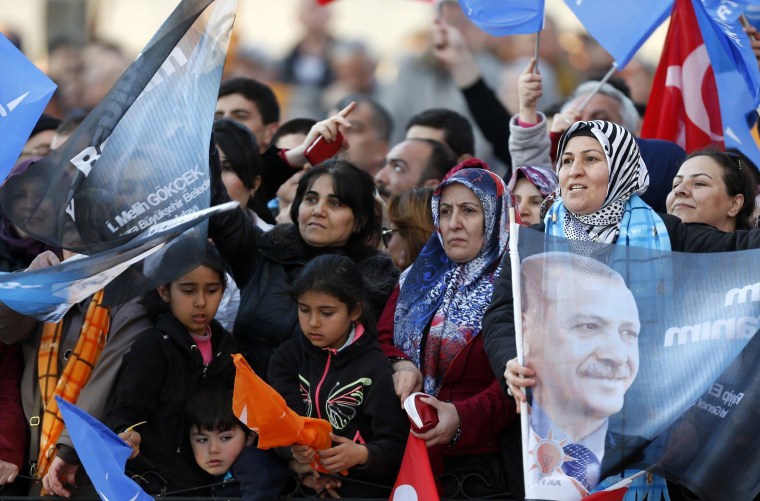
x,y
320,150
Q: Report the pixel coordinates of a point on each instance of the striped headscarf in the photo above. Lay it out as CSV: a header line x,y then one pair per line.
x,y
543,179
628,177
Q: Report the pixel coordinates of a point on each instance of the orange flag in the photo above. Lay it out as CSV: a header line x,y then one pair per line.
x,y
263,410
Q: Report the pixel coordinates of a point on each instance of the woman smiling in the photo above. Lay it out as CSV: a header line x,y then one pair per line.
x,y
334,213
715,188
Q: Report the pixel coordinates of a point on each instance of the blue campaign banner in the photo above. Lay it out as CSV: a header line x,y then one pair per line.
x,y
736,71
141,156
102,453
753,14
622,26
24,93
47,294
505,17
634,349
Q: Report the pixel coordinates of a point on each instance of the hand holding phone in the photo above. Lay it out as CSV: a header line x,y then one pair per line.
x,y
320,150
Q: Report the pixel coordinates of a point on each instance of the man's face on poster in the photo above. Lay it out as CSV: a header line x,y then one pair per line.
x,y
589,346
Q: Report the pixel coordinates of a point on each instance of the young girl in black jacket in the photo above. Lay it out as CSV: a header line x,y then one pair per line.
x,y
161,372
336,371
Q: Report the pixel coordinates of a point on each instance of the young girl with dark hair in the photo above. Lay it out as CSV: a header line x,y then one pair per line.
x,y
336,371
163,369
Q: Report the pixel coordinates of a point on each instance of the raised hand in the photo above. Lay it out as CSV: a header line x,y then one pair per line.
x,y
530,88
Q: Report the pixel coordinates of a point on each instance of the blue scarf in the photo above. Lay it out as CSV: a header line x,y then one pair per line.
x,y
441,302
640,226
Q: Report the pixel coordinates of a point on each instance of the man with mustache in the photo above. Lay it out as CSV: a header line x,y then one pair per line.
x,y
581,327
414,163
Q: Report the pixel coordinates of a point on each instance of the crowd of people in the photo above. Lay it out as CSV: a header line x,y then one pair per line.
x,y
353,283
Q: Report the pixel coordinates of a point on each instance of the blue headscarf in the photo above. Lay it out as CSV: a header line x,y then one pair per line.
x,y
442,301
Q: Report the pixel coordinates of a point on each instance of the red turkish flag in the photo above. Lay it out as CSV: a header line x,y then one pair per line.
x,y
415,478
683,106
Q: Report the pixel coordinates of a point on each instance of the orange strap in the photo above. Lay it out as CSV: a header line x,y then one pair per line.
x,y
77,372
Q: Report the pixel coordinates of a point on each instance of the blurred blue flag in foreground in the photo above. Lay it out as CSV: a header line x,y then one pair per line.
x,y
622,26
753,15
505,17
736,73
141,156
102,454
24,93
125,272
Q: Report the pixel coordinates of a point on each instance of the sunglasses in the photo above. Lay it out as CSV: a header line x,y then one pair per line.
x,y
387,234
736,158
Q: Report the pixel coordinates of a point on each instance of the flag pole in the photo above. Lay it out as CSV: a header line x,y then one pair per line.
x,y
599,86
438,10
535,50
514,259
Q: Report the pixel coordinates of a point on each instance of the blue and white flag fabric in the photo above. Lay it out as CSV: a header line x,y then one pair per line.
x,y
621,27
505,17
643,359
735,68
141,156
102,453
124,272
24,93
753,14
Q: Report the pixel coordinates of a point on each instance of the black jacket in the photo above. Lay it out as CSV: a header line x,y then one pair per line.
x,y
256,475
157,377
353,389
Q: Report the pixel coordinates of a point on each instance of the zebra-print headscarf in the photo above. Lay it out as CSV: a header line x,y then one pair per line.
x,y
628,176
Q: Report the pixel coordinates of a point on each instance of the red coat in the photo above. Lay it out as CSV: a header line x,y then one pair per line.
x,y
12,424
484,409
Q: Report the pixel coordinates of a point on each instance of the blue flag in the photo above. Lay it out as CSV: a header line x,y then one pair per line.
x,y
621,26
753,15
24,93
736,72
505,17
102,454
124,272
141,156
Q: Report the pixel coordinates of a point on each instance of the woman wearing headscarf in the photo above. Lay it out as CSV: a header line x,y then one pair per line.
x,y
436,344
530,186
601,175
